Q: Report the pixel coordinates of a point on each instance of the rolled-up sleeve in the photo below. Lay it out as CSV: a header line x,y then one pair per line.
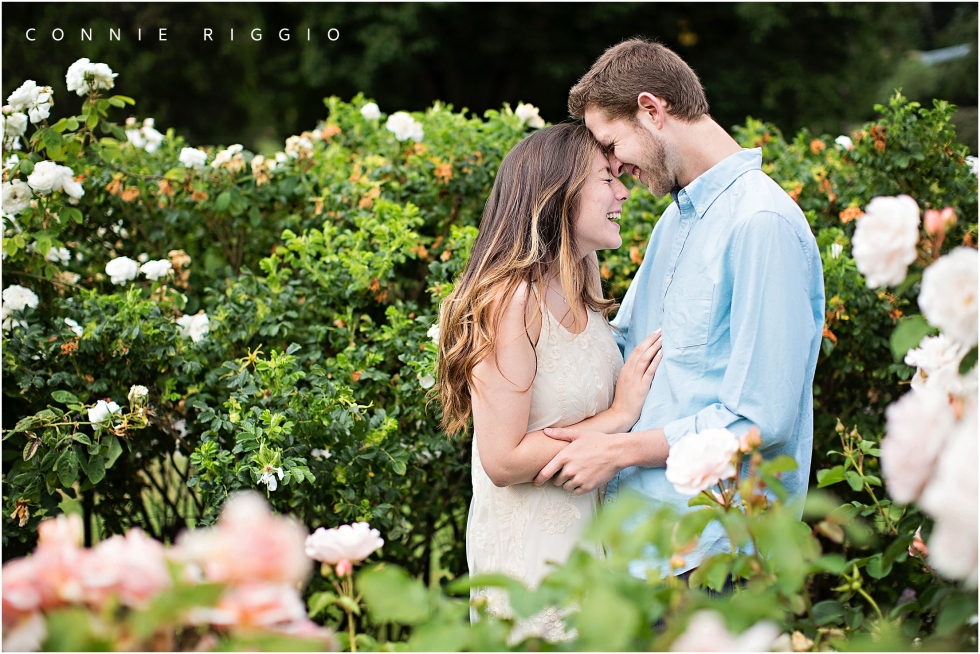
x,y
772,329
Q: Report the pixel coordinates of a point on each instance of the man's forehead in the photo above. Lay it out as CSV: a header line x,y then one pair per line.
x,y
600,124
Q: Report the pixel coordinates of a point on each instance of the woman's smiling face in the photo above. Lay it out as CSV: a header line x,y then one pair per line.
x,y
599,205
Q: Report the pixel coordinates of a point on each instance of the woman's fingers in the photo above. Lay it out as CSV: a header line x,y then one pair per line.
x,y
654,364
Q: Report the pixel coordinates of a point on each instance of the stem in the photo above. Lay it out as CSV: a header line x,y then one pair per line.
x,y
874,605
350,628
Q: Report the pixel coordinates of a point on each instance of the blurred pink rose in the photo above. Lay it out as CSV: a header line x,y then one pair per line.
x,y
249,543
951,499
133,568
706,632
937,222
21,593
352,543
66,529
255,604
917,427
700,460
26,635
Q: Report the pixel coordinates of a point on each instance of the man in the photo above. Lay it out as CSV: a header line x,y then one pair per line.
x,y
732,276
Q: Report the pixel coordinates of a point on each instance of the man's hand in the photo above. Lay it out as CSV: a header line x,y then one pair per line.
x,y
591,459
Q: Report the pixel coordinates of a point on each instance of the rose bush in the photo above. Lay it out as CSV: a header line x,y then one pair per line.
x,y
288,348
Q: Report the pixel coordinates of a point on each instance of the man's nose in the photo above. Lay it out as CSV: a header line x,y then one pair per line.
x,y
615,165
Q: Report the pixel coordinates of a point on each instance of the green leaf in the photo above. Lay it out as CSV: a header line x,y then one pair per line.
x,y
779,464
878,568
392,596
117,102
81,437
30,449
969,361
854,480
92,120
96,468
64,397
348,604
115,449
67,467
71,123
223,200
318,602
610,620
908,334
125,98
832,476
827,612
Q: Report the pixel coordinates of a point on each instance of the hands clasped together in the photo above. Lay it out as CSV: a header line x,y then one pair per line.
x,y
597,452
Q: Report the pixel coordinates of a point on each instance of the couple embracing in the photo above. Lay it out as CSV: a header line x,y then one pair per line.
x,y
720,327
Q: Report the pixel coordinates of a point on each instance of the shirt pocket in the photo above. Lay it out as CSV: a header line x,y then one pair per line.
x,y
688,320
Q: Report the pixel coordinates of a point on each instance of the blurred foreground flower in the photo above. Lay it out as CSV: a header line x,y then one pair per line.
x,y
948,298
700,460
706,632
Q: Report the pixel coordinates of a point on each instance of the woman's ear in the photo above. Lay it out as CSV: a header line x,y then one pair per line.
x,y
654,107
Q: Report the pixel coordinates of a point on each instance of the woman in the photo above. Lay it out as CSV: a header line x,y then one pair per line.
x,y
525,345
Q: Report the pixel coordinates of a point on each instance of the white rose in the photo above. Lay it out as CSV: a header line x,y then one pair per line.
x,y
225,156
951,499
917,427
16,197
351,543
297,146
974,165
149,122
404,127
25,96
121,270
194,327
937,362
371,111
844,141
75,77
15,125
74,326
137,393
153,139
134,137
102,410
69,185
156,269
11,161
434,333
836,249
700,460
47,177
58,255
884,240
100,76
17,297
39,112
948,297
706,632
323,454
528,114
192,157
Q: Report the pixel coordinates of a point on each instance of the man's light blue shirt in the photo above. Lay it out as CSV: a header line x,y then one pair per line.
x,y
732,275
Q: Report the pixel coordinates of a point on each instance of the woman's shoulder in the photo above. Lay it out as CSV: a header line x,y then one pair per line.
x,y
521,310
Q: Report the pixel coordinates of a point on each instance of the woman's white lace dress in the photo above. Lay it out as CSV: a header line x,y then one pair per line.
x,y
519,530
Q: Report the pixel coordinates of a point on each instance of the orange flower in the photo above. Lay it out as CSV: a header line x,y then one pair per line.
x,y
605,272
829,334
356,375
130,194
165,188
849,214
817,146
199,196
330,130
446,255
635,256
115,187
795,193
878,134
368,200
444,173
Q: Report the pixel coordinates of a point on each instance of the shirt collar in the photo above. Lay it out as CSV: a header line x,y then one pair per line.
x,y
706,188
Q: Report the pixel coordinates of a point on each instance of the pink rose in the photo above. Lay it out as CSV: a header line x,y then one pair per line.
x,y
249,543
132,568
352,543
706,632
700,460
66,529
256,604
917,427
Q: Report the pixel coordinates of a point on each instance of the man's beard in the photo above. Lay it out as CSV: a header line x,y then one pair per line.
x,y
660,179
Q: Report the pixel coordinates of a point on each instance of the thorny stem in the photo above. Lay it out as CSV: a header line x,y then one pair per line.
x,y
874,605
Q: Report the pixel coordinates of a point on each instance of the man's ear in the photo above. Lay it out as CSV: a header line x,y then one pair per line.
x,y
654,107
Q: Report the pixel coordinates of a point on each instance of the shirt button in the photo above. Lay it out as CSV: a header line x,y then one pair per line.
x,y
667,279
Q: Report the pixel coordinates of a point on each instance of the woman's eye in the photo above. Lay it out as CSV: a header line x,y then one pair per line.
x,y
608,180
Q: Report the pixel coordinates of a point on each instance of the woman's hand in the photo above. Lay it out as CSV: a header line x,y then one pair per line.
x,y
635,379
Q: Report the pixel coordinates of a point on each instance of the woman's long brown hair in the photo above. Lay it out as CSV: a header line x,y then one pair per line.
x,y
527,230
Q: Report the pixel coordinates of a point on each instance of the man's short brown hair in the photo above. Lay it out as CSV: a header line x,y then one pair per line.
x,y
630,68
